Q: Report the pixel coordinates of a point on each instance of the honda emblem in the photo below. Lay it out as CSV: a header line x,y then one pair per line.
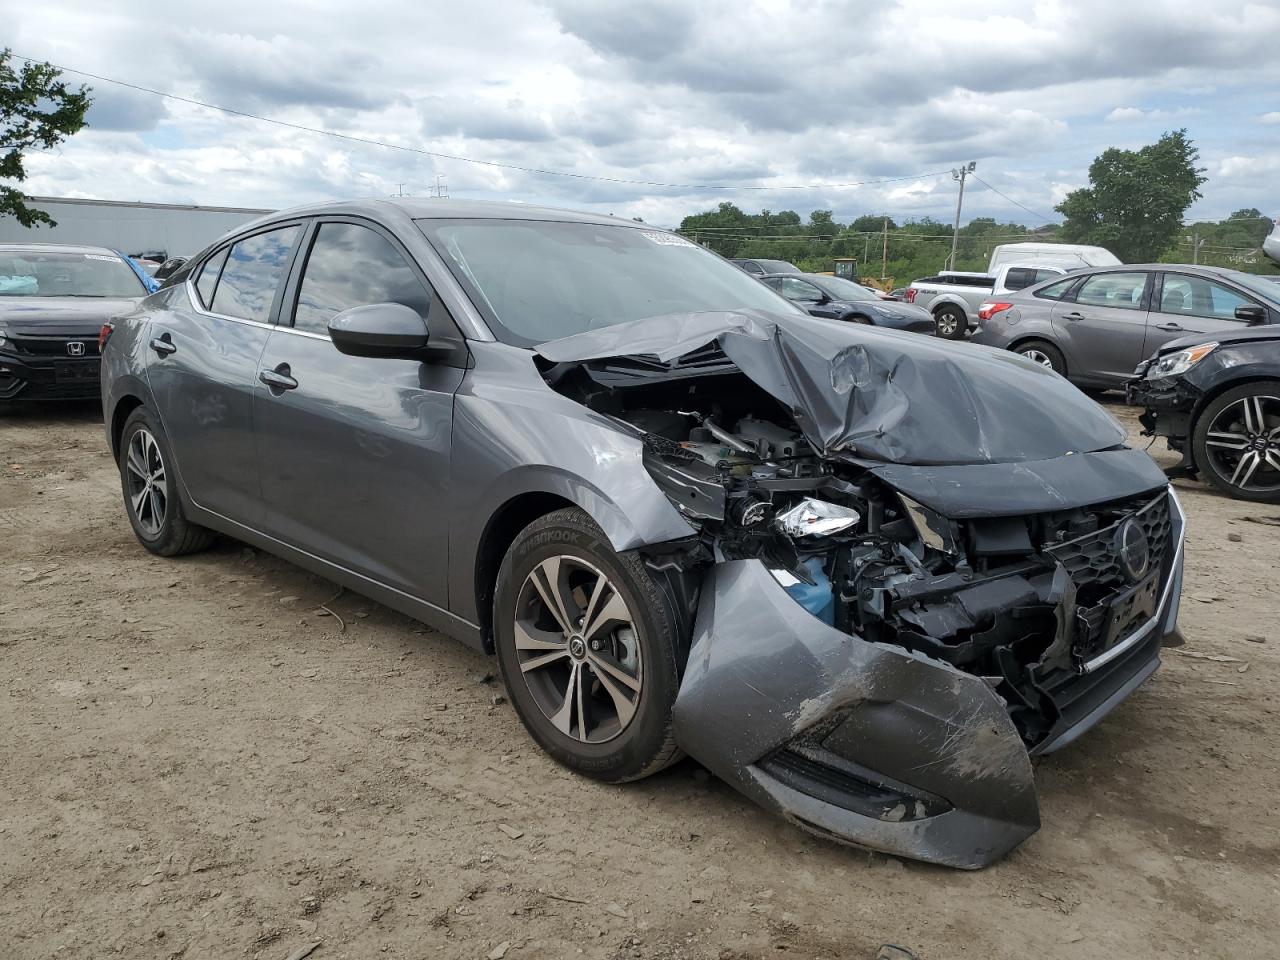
x,y
76,348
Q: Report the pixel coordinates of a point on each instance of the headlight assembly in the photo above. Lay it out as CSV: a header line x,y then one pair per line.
x,y
1173,364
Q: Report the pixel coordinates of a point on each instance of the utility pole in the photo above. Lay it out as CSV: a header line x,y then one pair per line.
x,y
1195,247
959,174
440,191
884,251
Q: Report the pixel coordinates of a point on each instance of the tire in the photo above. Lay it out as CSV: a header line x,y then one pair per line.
x,y
859,318
950,322
162,526
1044,353
566,546
1245,419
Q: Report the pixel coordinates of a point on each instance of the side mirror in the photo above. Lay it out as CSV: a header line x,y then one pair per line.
x,y
1252,315
379,330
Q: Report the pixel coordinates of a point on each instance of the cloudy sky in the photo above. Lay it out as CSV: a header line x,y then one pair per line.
x,y
799,98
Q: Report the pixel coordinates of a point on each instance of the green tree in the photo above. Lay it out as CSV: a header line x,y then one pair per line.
x,y
1136,199
37,110
870,223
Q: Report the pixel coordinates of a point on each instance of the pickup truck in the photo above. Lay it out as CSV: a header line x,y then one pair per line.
x,y
953,297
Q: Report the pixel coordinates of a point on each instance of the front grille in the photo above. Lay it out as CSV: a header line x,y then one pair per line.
x,y
1091,559
53,346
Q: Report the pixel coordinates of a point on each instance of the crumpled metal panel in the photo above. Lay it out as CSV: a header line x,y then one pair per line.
x,y
762,672
878,394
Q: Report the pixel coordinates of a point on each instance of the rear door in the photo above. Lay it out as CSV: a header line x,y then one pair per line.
x,y
1188,303
806,295
355,456
203,367
1103,330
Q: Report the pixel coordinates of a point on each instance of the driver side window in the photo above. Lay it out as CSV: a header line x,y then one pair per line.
x,y
353,266
794,289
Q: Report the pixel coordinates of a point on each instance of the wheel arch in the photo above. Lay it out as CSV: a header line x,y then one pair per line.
x,y
1022,341
125,405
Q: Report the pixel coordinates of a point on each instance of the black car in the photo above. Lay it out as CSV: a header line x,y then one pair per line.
x,y
758,268
1216,400
839,299
54,300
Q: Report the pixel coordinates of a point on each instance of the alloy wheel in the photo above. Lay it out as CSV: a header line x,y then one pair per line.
x,y
577,648
946,323
148,486
1037,356
1244,443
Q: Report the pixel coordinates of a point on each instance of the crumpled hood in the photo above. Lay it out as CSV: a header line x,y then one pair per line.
x,y
877,394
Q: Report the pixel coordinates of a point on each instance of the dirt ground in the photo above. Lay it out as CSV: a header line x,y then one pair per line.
x,y
196,761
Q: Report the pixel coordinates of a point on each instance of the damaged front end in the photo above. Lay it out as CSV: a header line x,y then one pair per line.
x,y
887,629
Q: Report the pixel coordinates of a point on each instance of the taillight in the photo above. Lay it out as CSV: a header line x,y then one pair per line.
x,y
991,308
103,334
911,294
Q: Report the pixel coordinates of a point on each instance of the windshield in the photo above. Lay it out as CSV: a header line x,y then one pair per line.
x,y
63,274
536,281
778,266
838,288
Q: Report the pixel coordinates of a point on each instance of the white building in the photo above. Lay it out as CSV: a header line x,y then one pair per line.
x,y
173,229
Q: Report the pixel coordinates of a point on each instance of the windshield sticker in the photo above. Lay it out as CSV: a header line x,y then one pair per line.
x,y
98,256
669,240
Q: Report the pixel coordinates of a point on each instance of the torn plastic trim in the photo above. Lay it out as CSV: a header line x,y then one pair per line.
x,y
762,672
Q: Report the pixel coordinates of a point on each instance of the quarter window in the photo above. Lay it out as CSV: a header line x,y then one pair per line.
x,y
252,273
209,277
1056,291
1198,297
352,266
1122,291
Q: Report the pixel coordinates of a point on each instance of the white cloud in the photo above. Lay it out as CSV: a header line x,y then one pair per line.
x,y
726,92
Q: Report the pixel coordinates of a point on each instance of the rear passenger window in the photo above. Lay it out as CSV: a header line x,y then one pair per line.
x,y
208,279
1019,277
352,266
252,273
1121,291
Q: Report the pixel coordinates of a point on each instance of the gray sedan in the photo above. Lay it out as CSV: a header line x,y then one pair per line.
x,y
861,575
839,299
1094,327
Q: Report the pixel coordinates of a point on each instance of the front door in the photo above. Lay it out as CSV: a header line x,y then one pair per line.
x,y
202,367
354,452
1103,330
1190,304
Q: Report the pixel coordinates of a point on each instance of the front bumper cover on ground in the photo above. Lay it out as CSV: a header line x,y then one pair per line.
x,y
868,743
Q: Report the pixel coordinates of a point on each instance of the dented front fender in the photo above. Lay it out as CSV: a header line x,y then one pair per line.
x,y
862,742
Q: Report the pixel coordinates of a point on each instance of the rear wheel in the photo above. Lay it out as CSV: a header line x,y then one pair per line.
x,y
1237,442
586,643
950,322
1043,353
150,490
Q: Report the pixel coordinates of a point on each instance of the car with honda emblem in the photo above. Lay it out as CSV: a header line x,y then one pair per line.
x,y
54,303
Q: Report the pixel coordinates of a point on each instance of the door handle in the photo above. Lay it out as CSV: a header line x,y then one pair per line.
x,y
163,345
1169,327
278,379
1073,316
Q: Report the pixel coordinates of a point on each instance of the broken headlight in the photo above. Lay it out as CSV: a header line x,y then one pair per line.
x,y
1173,364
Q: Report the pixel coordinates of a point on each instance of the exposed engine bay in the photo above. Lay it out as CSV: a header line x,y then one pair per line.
x,y
985,595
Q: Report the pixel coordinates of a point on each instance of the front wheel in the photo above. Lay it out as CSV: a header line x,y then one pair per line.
x,y
1236,441
586,642
150,490
950,323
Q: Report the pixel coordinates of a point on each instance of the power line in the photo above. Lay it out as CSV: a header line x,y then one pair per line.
x,y
449,156
1034,213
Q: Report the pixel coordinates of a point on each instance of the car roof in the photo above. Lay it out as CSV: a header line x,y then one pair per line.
x,y
431,208
12,248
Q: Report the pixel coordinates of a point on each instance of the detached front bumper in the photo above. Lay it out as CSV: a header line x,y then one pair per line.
x,y
868,743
